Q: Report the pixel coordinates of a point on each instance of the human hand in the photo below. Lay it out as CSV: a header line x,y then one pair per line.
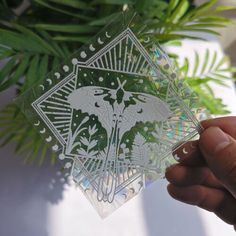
x,y
206,173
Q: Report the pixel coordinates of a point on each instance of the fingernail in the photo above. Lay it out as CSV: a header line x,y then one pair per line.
x,y
216,140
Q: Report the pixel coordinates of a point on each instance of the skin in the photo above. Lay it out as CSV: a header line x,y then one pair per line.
x,y
206,175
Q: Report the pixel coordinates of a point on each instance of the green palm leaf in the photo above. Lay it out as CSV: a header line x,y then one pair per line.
x,y
48,31
211,68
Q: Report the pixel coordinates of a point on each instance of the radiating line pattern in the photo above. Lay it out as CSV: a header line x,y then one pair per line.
x,y
55,110
124,54
104,72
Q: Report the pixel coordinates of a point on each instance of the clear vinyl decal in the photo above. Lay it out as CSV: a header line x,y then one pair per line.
x,y
114,113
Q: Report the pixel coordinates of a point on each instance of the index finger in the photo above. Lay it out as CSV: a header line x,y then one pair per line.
x,y
227,124
189,153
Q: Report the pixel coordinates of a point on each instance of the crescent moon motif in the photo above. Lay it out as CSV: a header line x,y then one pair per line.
x,y
42,131
176,157
68,165
55,148
49,81
107,35
141,184
57,75
87,189
91,48
66,68
37,123
132,190
184,151
41,86
49,139
100,41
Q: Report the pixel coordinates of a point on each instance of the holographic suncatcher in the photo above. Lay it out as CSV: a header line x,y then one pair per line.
x,y
114,113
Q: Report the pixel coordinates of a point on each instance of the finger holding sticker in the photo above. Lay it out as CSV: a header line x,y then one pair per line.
x,y
206,177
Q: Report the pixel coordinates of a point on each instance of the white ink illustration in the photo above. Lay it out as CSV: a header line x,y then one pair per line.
x,y
118,111
113,117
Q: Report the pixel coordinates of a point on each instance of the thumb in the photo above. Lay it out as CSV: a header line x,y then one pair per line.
x,y
219,151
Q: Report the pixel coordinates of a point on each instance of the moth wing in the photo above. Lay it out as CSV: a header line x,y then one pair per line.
x,y
90,100
148,108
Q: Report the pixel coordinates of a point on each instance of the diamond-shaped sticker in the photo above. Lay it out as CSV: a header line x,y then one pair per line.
x,y
115,112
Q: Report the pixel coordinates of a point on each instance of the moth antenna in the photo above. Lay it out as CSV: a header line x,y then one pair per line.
x,y
121,85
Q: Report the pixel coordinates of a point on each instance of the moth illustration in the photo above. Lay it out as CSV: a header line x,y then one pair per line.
x,y
118,111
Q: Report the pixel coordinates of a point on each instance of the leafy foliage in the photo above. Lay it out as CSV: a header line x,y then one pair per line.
x,y
212,68
14,128
35,39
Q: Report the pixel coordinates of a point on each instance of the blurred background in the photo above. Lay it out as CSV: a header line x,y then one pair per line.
x,y
35,201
